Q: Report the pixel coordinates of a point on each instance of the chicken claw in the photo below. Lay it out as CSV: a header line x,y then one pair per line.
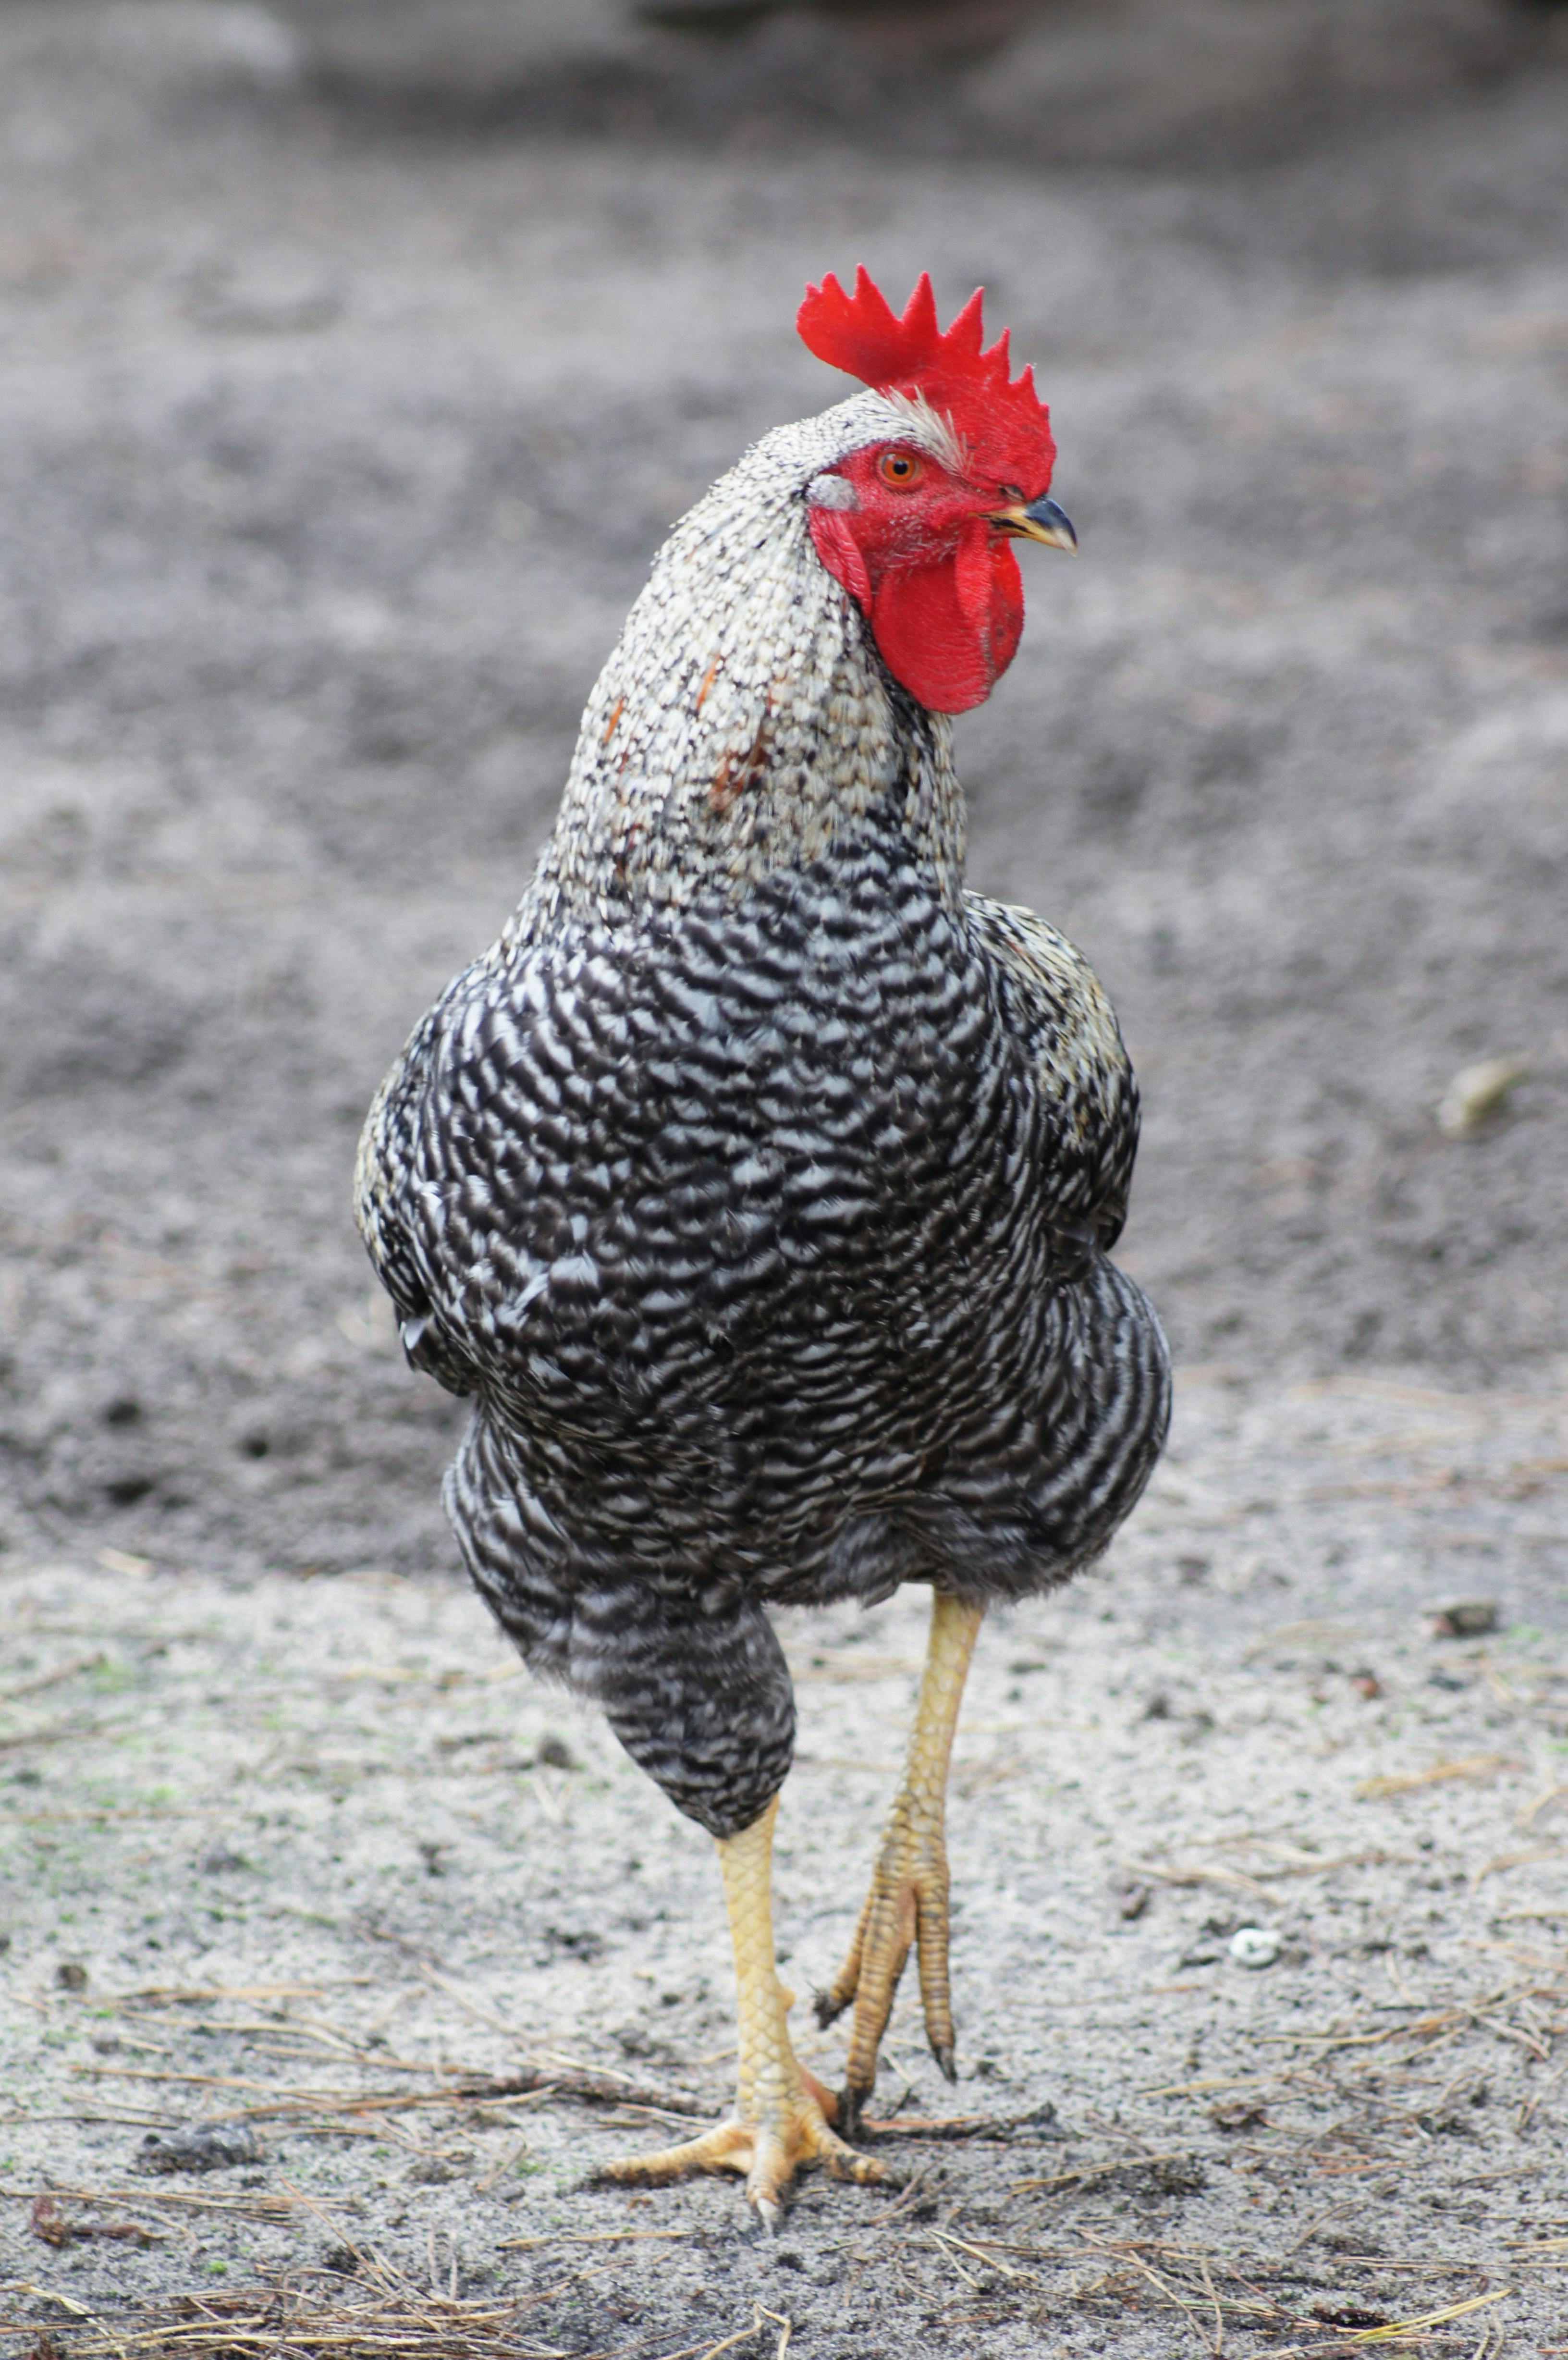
x,y
768,2149
907,1905
905,1908
782,2115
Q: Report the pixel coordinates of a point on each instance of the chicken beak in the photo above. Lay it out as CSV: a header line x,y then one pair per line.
x,y
1041,520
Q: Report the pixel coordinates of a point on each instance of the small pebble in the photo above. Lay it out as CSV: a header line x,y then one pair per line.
x,y
1478,1092
200,2146
1468,1618
1254,1946
220,1860
1238,2113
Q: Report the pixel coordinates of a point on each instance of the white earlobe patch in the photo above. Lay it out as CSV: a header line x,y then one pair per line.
x,y
830,491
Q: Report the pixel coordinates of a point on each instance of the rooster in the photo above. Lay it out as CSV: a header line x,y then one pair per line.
x,y
757,1185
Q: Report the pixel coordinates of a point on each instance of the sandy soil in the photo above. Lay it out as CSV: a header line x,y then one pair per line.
x,y
335,433
315,1858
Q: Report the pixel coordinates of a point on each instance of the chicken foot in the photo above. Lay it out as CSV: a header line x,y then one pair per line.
x,y
907,1905
782,2115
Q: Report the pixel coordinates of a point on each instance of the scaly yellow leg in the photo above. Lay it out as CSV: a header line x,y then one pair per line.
x,y
908,1900
781,2112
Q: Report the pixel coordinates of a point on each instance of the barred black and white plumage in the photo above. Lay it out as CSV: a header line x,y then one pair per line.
x,y
758,1183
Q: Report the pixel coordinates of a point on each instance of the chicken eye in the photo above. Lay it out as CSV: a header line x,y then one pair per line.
x,y
900,470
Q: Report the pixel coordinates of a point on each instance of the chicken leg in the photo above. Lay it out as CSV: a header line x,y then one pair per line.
x,y
782,2115
907,1901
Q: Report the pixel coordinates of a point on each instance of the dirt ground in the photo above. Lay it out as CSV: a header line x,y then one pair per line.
x,y
315,1859
341,408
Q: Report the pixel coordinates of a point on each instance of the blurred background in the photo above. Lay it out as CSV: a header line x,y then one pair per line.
x,y
356,356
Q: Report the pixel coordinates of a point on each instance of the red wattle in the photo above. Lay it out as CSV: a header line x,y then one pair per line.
x,y
948,632
928,643
972,575
1007,606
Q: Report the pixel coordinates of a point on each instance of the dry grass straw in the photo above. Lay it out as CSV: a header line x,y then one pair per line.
x,y
1210,2293
375,2321
1507,2011
1475,1765
1280,1861
248,2207
376,2313
1088,2173
49,1680
340,2112
270,2101
746,2334
1192,2284
1428,2027
378,2316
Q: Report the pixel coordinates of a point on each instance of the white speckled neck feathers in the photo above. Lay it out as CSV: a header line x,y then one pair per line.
x,y
745,715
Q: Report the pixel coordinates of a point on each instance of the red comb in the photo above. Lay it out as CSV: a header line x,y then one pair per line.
x,y
1001,417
